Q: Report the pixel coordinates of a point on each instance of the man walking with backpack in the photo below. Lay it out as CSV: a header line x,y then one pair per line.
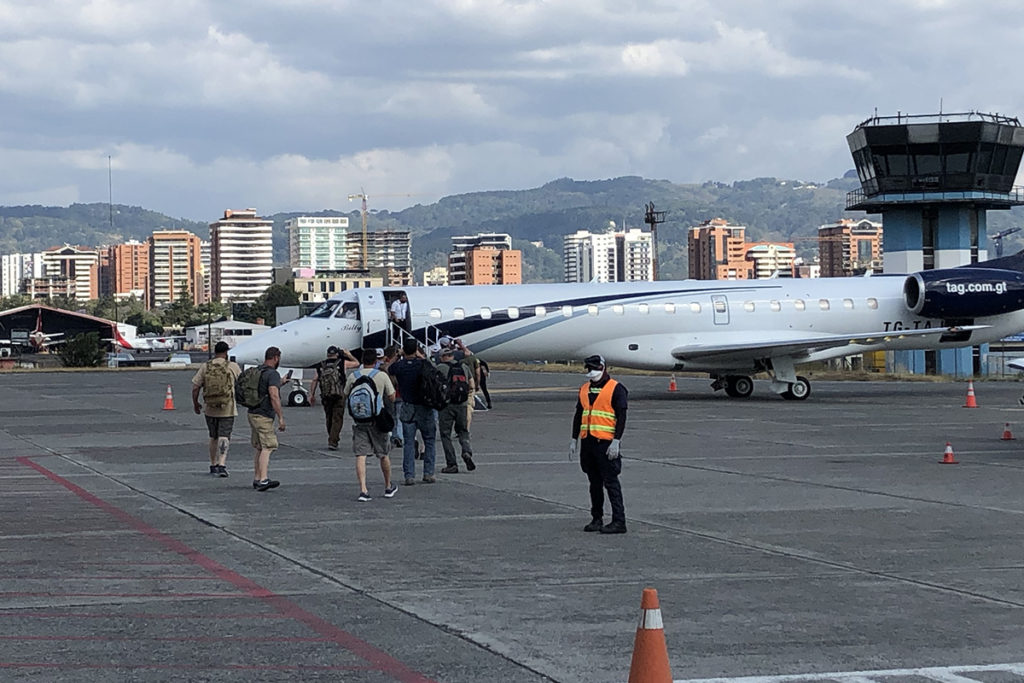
x,y
370,398
456,414
330,379
411,375
258,389
216,379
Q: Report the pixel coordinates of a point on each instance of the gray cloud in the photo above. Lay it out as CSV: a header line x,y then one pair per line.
x,y
294,104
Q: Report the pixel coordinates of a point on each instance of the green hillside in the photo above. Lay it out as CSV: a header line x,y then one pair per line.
x,y
772,209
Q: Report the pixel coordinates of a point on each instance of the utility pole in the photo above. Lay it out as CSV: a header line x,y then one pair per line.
x,y
110,210
652,218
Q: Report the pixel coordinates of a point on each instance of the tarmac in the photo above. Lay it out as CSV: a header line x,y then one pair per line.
x,y
814,540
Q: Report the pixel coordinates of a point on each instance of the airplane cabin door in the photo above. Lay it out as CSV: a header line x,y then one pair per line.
x,y
373,311
720,309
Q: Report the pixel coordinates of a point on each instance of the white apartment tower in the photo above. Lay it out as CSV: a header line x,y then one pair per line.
x,y
318,242
241,256
608,256
79,265
14,268
634,250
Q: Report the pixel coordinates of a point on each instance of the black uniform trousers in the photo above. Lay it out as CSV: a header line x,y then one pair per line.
x,y
603,474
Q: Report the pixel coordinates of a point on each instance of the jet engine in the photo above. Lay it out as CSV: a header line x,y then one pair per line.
x,y
964,292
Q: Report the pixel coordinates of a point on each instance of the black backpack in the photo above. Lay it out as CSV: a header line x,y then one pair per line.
x,y
458,384
433,386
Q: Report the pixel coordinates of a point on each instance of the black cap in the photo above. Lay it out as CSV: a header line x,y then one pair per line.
x,y
221,347
594,362
333,351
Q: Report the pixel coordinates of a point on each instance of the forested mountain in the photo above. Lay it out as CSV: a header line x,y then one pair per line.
x,y
772,209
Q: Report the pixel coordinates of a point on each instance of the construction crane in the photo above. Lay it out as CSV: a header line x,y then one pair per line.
x,y
362,196
998,239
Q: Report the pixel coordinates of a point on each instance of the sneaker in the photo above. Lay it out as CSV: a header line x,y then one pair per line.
x,y
429,479
213,470
255,484
614,528
390,491
331,448
396,441
222,471
451,469
364,497
468,459
267,484
409,481
595,525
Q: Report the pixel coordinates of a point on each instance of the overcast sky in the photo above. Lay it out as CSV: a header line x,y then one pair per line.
x,y
288,105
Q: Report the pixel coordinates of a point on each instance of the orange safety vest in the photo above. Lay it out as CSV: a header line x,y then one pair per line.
x,y
598,417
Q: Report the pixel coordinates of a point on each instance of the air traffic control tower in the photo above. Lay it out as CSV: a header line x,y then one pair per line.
x,y
934,178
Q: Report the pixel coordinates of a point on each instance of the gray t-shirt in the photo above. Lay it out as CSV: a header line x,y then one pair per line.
x,y
269,378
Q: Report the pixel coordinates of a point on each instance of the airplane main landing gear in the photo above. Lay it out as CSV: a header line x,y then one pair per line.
x,y
738,386
798,390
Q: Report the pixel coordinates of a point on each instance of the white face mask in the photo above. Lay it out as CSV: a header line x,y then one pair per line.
x,y
595,375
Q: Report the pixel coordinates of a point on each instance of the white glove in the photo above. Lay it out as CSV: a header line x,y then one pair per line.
x,y
613,449
573,446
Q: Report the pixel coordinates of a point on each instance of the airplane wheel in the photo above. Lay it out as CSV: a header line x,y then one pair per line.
x,y
297,399
739,386
798,390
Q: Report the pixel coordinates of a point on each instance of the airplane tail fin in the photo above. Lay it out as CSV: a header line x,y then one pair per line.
x,y
1011,262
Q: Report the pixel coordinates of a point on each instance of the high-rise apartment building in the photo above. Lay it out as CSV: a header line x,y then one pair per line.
x,y
771,259
174,267
79,265
241,256
634,261
717,251
16,268
484,259
847,248
608,256
390,249
436,277
318,242
204,264
125,271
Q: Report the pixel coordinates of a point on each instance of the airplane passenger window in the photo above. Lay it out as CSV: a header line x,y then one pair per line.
x,y
566,311
748,306
872,303
618,309
485,313
848,304
435,313
694,307
775,306
513,312
823,304
799,304
324,310
540,312
459,313
670,308
592,309
643,308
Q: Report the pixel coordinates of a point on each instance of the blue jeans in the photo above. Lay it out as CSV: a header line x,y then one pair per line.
x,y
425,420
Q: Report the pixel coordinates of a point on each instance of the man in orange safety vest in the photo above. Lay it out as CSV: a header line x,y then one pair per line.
x,y
597,429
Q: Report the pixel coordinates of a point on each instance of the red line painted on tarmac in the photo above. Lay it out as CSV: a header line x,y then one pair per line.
x,y
378,659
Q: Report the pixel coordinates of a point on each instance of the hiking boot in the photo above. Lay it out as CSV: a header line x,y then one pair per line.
x,y
213,470
409,481
451,469
255,484
364,497
429,478
332,447
222,471
390,491
468,459
267,484
595,525
614,528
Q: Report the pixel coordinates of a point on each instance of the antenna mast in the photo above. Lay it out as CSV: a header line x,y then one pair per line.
x,y
652,218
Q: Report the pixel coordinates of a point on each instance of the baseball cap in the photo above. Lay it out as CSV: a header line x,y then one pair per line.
x,y
447,351
595,362
333,351
380,353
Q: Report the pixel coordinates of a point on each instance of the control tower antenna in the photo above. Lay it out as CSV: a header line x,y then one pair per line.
x,y
652,218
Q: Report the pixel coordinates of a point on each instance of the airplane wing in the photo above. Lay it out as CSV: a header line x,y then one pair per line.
x,y
805,346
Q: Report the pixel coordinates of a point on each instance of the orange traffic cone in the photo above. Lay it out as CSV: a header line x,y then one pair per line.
x,y
1007,435
947,456
169,400
672,383
650,654
970,403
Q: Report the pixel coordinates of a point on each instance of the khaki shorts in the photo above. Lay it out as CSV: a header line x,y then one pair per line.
x,y
263,434
368,440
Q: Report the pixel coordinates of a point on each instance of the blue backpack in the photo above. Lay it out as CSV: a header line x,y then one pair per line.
x,y
364,401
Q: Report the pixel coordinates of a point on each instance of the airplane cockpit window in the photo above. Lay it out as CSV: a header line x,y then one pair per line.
x,y
872,303
799,304
748,306
848,304
324,310
348,310
823,304
775,306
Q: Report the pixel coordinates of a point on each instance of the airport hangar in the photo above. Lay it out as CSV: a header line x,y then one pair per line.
x,y
16,324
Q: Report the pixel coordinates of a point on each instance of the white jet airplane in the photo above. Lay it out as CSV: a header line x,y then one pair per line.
x,y
729,329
